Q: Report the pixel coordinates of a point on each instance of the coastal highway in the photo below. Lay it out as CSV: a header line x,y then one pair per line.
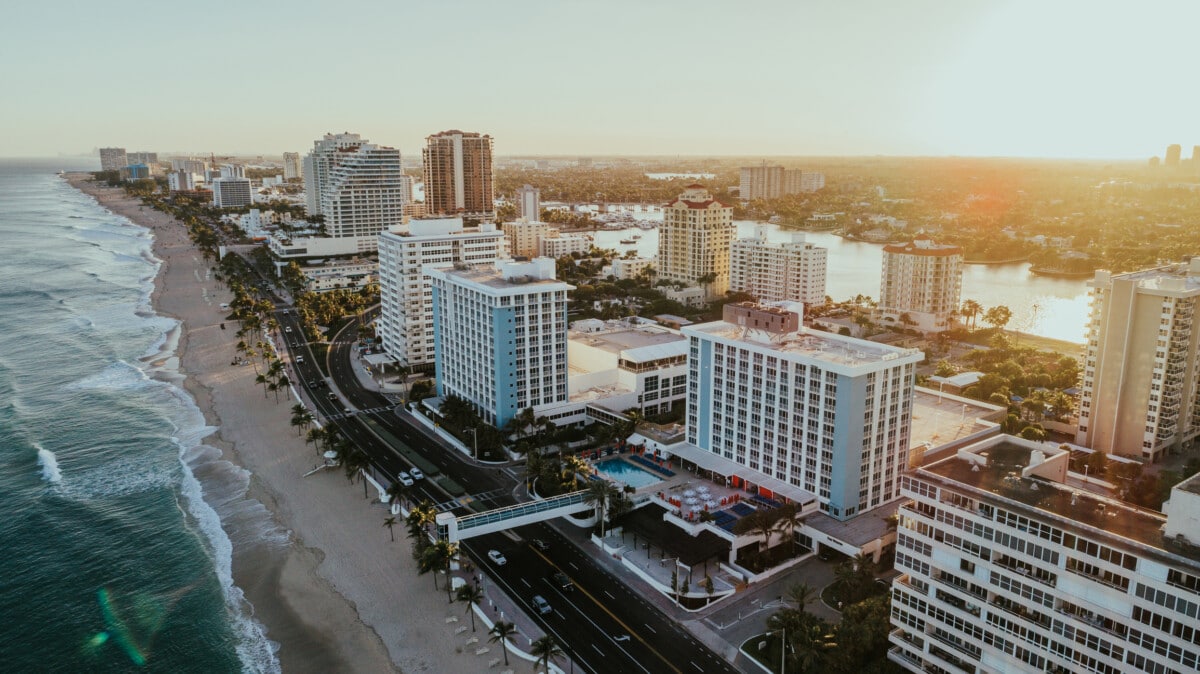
x,y
601,623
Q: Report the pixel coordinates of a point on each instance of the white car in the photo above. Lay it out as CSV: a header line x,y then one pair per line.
x,y
497,557
417,474
405,479
288,329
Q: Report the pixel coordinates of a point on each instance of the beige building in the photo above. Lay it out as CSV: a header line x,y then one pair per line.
x,y
556,244
458,175
922,279
1140,377
523,236
693,242
792,270
293,166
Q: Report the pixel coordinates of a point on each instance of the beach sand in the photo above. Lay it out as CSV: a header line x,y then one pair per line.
x,y
340,596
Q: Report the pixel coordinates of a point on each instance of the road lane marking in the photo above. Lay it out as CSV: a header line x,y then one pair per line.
x,y
606,592
650,628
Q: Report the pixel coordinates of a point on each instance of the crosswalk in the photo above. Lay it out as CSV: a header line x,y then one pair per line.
x,y
353,413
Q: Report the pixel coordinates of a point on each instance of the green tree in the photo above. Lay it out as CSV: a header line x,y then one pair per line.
x,y
546,650
998,316
390,523
501,632
473,595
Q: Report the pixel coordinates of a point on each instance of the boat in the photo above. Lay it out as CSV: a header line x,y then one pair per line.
x,y
628,242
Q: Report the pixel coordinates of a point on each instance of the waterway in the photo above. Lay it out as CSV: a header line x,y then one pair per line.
x,y
1050,307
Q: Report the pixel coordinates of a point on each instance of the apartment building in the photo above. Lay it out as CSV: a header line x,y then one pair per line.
x,y
406,291
921,284
1141,386
523,236
319,164
458,175
1008,568
293,166
693,242
791,270
555,244
231,192
113,158
772,182
529,203
364,194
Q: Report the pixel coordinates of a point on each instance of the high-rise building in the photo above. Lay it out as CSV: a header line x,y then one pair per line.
x,y
231,192
189,164
761,182
319,163
181,181
1173,155
922,283
500,335
826,414
523,237
364,194
792,270
147,158
693,242
233,171
529,203
796,181
1141,390
406,297
1007,568
113,158
458,175
293,166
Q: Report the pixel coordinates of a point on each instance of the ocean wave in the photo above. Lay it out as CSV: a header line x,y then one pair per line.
x,y
119,376
49,463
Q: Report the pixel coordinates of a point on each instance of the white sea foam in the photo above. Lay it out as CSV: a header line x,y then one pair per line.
x,y
49,463
119,376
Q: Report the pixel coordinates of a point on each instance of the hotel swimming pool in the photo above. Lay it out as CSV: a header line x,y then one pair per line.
x,y
628,473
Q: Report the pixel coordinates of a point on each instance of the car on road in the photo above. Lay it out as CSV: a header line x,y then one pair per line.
x,y
417,474
405,479
288,329
563,581
539,544
496,556
299,359
332,395
540,603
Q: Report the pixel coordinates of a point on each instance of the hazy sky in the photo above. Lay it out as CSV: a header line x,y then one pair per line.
x,y
896,77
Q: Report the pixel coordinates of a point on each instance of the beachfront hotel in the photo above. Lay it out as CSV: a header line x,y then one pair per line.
x,y
364,194
922,281
1012,564
405,322
500,336
231,192
1140,394
813,412
792,270
458,175
319,164
693,242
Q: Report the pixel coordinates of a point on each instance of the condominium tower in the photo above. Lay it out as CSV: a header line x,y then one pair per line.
x,y
500,336
319,163
820,412
293,166
1141,388
231,192
693,242
792,270
922,283
364,194
772,182
113,158
1007,568
529,203
458,175
406,292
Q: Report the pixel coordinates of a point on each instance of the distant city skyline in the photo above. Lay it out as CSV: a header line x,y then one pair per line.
x,y
1017,79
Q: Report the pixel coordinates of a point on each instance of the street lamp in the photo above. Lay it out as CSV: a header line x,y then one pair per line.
x,y
474,443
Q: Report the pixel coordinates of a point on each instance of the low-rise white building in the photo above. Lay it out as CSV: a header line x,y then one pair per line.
x,y
622,364
340,274
523,236
289,246
628,267
555,244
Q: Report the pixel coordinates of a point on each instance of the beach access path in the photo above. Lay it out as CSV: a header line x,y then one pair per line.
x,y
341,596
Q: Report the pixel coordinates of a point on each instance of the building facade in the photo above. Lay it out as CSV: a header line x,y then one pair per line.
x,y
555,244
630,267
529,203
233,171
523,236
181,181
1141,386
147,158
501,336
1174,153
1005,568
113,158
293,166
796,181
458,175
792,270
827,414
406,292
231,192
922,283
772,182
364,194
693,242
319,164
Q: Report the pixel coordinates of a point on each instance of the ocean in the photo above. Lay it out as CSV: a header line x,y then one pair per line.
x,y
119,524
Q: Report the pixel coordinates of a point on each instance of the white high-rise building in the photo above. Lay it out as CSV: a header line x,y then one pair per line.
x,y
1005,567
529,203
693,242
233,171
231,192
406,296
113,158
821,413
364,194
796,181
181,181
190,164
523,236
792,270
922,282
760,182
1141,387
147,158
501,336
293,166
319,163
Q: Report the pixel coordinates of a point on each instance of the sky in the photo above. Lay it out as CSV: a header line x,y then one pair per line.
x,y
1049,78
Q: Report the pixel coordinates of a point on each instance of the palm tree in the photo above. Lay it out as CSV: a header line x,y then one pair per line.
x,y
390,522
788,521
572,466
261,379
447,551
398,493
501,632
473,595
802,594
546,650
969,310
599,494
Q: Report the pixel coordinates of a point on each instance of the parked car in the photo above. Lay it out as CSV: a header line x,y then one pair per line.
x,y
405,479
540,603
496,556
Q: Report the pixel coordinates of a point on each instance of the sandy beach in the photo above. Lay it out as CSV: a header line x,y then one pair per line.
x,y
339,595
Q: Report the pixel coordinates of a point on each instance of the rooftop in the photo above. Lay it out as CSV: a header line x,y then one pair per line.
x,y
823,346
629,340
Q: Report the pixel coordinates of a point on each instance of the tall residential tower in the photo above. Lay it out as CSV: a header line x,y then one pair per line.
x,y
458,175
693,242
792,270
922,282
319,163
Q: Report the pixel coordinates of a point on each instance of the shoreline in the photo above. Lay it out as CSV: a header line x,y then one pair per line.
x,y
339,595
